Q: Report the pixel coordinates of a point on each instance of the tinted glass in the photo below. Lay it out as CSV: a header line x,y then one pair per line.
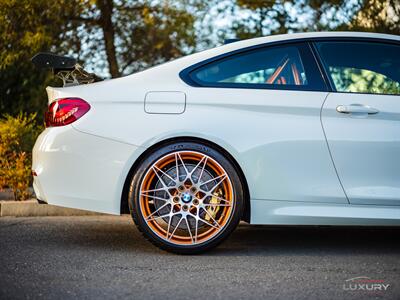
x,y
362,67
273,66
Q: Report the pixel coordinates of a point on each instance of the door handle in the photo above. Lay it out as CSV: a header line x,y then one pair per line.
x,y
356,108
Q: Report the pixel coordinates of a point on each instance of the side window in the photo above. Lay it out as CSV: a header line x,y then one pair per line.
x,y
280,67
362,67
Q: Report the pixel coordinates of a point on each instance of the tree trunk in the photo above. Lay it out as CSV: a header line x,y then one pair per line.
x,y
106,10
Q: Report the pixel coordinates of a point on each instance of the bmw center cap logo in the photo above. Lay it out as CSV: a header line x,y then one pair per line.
x,y
186,197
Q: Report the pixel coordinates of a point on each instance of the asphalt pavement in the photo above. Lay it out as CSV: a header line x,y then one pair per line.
x,y
105,257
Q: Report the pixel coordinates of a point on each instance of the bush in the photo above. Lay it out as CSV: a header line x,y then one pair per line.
x,y
17,137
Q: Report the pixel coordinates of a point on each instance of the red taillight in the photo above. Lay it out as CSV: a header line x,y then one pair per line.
x,y
65,111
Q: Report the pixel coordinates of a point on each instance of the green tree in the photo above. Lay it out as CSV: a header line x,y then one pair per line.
x,y
116,37
17,136
132,35
252,18
113,37
378,16
26,27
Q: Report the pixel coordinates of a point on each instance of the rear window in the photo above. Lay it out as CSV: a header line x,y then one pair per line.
x,y
276,67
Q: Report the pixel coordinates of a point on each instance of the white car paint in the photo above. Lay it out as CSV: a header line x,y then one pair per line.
x,y
276,137
165,102
80,170
366,147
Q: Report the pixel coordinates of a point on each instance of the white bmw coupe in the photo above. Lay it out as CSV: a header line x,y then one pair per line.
x,y
298,129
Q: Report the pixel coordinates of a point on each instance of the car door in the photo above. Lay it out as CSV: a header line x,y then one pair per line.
x,y
361,118
266,102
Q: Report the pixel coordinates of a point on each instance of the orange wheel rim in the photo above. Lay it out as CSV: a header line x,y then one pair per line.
x,y
186,198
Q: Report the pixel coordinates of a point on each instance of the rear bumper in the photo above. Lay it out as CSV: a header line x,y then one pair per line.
x,y
80,170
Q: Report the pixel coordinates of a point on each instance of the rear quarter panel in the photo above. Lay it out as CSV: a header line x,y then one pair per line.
x,y
275,136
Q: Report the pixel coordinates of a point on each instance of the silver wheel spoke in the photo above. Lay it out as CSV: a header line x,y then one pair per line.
x,y
159,217
188,227
155,197
177,167
202,170
183,164
212,218
213,179
198,165
176,227
218,198
216,204
169,224
220,179
156,211
196,229
155,190
161,181
158,169
209,224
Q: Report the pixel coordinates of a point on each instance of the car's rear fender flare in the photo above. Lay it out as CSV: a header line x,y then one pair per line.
x,y
162,142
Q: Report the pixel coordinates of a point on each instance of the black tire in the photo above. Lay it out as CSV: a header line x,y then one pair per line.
x,y
234,206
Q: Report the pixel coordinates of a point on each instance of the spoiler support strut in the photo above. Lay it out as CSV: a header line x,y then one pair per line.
x,y
64,67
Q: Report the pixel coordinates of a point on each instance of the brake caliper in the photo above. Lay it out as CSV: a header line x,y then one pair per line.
x,y
213,210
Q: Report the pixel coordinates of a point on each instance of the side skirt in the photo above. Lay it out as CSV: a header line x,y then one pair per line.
x,y
269,212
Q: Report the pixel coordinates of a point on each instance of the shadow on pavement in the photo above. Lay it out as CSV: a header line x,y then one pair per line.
x,y
310,240
246,240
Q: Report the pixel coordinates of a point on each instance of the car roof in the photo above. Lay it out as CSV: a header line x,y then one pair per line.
x,y
188,60
311,35
172,68
305,35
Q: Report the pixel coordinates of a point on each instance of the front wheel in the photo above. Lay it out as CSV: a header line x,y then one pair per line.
x,y
186,197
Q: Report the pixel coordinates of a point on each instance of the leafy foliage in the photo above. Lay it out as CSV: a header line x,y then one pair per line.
x,y
132,35
378,16
252,18
118,37
17,136
26,28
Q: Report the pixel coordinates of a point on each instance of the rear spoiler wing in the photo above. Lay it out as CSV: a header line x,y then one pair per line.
x,y
64,67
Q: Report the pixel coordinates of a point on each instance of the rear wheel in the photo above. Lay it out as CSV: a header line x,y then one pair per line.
x,y
186,197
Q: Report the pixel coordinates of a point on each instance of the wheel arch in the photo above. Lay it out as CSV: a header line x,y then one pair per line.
x,y
124,208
